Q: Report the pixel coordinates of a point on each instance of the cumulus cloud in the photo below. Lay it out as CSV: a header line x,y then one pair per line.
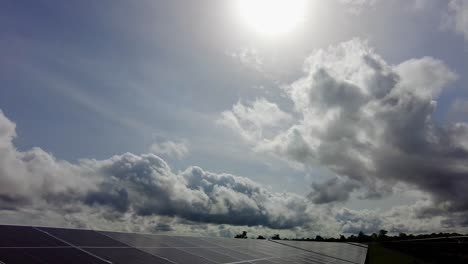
x,y
371,124
174,149
140,193
254,120
404,218
142,185
35,174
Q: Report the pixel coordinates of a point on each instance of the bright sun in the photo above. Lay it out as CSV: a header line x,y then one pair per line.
x,y
272,16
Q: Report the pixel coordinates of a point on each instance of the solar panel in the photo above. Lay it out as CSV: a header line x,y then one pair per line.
x,y
47,255
137,240
45,245
127,255
25,236
83,238
234,254
352,252
211,254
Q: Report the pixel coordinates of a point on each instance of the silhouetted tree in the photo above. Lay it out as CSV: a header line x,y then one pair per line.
x,y
382,234
276,237
243,235
362,237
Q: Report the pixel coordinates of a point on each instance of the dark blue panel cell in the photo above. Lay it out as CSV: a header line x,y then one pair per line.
x,y
16,256
263,262
235,254
126,255
26,236
137,240
171,241
177,255
88,238
198,241
48,256
298,260
249,251
225,242
211,254
340,251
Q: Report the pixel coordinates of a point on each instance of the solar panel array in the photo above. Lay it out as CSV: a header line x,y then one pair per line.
x,y
28,244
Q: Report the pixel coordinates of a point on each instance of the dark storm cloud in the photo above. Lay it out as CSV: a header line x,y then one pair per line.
x,y
371,124
332,190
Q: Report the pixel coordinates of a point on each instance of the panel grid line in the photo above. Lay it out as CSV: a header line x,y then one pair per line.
x,y
114,247
314,252
135,247
105,247
357,245
259,259
209,248
68,243
231,248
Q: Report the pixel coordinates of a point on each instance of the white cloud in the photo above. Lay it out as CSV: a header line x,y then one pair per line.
x,y
178,149
405,218
250,58
141,186
371,124
141,193
426,76
254,120
35,174
457,17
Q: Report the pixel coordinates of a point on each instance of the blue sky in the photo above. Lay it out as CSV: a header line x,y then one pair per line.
x,y
93,79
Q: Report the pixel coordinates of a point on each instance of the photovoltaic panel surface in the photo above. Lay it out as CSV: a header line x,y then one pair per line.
x,y
137,240
354,253
127,255
20,244
25,236
83,238
47,255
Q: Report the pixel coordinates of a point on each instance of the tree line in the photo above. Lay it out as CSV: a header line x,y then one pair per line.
x,y
381,236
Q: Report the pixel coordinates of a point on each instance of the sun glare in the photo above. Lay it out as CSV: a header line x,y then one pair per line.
x,y
272,16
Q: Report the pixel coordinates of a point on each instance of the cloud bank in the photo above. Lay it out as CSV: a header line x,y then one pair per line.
x,y
371,124
142,185
141,193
